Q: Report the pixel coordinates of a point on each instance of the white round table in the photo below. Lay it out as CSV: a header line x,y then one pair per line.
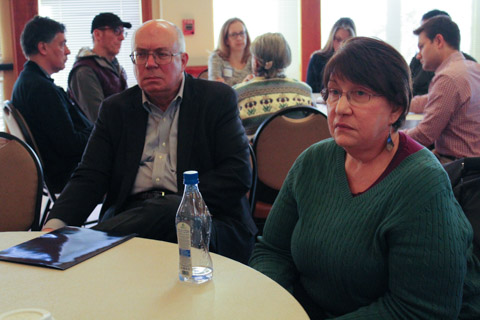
x,y
138,279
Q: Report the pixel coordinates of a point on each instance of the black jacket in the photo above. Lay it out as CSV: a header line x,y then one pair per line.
x,y
59,128
211,140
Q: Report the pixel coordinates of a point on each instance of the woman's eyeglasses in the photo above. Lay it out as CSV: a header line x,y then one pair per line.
x,y
234,35
357,97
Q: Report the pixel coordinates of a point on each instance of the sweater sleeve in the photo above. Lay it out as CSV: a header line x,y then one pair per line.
x,y
272,254
427,249
214,66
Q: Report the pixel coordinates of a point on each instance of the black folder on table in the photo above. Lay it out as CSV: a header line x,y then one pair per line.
x,y
63,248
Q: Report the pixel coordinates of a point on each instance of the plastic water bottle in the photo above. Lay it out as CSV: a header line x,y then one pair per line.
x,y
193,222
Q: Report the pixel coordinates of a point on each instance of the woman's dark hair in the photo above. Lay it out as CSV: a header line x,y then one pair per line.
x,y
376,65
441,25
39,29
434,13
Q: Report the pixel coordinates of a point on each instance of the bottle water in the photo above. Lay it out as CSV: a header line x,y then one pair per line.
x,y
193,222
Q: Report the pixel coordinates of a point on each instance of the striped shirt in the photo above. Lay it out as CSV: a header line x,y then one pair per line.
x,y
451,109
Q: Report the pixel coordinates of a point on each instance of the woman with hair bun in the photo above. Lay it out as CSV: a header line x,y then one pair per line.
x,y
269,90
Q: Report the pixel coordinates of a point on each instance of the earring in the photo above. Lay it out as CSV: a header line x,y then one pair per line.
x,y
390,143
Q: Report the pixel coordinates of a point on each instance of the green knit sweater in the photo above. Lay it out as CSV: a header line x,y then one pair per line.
x,y
398,251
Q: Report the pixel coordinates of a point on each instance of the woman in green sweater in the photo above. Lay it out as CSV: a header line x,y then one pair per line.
x,y
366,225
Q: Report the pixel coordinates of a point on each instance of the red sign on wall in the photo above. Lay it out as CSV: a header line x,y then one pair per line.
x,y
188,26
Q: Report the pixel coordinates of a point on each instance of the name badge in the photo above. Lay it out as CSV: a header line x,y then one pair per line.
x,y
227,72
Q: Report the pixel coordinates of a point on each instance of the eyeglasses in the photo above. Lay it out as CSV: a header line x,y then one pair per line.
x,y
234,35
159,56
357,97
117,30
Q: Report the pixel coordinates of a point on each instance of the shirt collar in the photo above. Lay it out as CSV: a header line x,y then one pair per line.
x,y
147,105
453,57
43,70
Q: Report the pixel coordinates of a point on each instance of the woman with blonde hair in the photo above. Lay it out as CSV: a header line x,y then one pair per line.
x,y
230,62
343,29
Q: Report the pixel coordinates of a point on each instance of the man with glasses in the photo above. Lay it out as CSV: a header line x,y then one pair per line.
x,y
148,135
96,73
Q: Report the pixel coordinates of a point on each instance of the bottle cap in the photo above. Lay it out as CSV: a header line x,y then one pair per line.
x,y
190,177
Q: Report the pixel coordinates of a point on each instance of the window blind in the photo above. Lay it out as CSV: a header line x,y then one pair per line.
x,y
77,16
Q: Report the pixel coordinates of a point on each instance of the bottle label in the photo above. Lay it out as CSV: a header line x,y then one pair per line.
x,y
184,247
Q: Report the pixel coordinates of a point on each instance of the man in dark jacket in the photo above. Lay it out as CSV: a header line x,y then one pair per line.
x,y
59,128
147,136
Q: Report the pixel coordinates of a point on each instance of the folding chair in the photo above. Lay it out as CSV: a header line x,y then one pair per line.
x,y
278,142
203,74
18,127
21,184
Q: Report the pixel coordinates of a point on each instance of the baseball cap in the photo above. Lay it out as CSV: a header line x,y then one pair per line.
x,y
108,19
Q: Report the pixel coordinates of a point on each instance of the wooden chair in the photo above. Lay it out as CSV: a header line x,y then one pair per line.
x,y
203,74
253,186
278,142
18,127
21,185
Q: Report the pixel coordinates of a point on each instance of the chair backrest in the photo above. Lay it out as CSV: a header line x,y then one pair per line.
x,y
17,126
282,137
21,185
203,74
253,186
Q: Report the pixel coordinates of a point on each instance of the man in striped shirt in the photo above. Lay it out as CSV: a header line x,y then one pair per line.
x,y
452,106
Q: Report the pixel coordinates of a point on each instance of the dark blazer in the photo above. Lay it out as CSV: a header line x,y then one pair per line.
x,y
211,140
59,128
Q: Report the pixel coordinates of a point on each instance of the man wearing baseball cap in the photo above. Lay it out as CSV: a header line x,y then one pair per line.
x,y
96,73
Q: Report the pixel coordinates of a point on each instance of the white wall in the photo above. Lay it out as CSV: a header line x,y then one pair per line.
x,y
262,16
201,43
394,20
